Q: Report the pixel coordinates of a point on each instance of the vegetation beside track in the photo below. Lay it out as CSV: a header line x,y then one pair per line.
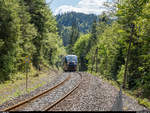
x,y
142,101
119,50
16,86
28,34
29,41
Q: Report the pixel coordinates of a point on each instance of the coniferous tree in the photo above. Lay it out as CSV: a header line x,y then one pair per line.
x,y
10,34
42,18
27,28
74,36
28,32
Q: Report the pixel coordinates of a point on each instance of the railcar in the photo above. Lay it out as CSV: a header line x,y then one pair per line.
x,y
70,63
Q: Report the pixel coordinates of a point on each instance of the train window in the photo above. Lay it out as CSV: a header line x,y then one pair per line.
x,y
71,58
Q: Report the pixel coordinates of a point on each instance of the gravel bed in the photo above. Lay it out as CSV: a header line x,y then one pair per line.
x,y
48,99
94,94
57,79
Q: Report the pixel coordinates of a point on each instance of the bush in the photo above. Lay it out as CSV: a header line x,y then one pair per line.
x,y
120,75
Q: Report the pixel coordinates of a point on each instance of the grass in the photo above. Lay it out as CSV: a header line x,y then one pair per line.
x,y
145,102
20,92
17,81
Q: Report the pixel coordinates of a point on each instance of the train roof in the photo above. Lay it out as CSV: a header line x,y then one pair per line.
x,y
71,56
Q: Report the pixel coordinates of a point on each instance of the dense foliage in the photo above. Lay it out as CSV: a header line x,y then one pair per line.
x,y
84,20
66,21
120,50
80,49
27,28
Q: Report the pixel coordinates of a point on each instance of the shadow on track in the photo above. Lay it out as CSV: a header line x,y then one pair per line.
x,y
118,105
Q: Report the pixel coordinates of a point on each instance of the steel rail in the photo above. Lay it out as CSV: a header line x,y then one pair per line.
x,y
34,97
61,99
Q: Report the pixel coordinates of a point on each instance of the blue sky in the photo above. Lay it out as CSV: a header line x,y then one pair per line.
x,y
83,6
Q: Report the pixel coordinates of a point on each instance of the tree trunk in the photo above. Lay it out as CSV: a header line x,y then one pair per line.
x,y
96,58
93,63
128,55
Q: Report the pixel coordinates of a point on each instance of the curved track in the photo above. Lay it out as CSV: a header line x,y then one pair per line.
x,y
61,99
14,107
35,97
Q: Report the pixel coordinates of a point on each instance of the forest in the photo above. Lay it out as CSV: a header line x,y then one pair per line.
x,y
27,29
117,49
65,21
83,22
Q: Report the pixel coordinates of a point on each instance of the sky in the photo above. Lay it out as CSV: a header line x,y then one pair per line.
x,y
83,6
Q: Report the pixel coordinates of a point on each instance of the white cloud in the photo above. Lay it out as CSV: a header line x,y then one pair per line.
x,y
84,6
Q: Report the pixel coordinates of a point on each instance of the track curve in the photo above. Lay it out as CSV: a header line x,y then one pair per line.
x,y
37,96
61,99
21,104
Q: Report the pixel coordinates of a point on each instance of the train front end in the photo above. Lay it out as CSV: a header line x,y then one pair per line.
x,y
70,63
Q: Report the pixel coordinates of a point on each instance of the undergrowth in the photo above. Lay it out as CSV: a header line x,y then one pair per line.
x,y
142,101
18,80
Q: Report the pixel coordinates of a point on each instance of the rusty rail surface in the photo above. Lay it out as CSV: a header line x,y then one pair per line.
x,y
35,97
61,99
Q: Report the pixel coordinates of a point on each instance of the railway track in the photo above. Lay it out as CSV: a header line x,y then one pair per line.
x,y
61,99
21,104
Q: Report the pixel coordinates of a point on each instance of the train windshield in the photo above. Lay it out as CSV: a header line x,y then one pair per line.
x,y
71,58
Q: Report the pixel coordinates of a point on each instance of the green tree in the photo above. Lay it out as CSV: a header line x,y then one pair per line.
x,y
45,23
80,49
27,28
93,38
10,34
127,15
73,37
28,32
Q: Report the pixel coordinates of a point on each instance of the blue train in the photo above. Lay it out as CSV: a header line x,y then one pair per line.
x,y
70,63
